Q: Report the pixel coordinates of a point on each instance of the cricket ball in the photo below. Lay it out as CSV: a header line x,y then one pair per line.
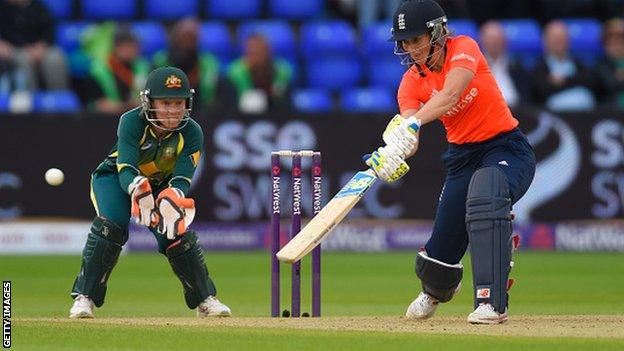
x,y
54,176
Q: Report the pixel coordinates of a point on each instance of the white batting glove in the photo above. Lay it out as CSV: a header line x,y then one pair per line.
x,y
142,201
387,163
175,212
400,134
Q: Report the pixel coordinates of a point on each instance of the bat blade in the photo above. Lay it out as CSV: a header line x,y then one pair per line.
x,y
328,218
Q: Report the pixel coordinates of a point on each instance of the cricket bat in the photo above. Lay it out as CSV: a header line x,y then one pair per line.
x,y
329,217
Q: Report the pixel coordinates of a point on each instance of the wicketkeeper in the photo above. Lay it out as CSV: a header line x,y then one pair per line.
x,y
490,165
146,176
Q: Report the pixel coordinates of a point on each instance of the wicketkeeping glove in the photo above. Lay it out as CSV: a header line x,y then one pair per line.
x,y
387,163
142,207
175,212
400,134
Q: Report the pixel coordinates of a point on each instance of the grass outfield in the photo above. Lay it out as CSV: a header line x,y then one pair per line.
x,y
561,301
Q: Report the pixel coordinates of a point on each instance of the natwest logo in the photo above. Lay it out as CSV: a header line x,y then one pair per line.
x,y
465,101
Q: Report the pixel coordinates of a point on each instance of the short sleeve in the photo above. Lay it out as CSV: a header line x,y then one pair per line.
x,y
407,97
465,53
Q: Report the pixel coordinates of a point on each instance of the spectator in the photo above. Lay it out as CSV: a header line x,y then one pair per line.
x,y
202,68
26,39
561,81
260,81
508,72
611,68
11,78
116,81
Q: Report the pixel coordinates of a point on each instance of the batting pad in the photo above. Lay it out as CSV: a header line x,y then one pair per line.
x,y
488,222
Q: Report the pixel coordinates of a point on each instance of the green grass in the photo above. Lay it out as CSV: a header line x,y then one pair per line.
x,y
105,337
143,285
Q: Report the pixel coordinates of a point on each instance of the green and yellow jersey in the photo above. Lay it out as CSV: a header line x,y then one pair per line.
x,y
168,161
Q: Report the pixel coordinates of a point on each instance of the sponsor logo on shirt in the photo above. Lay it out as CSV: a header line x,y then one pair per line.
x,y
465,101
463,56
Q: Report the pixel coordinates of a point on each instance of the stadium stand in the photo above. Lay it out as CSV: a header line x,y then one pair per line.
x,y
60,9
370,99
312,100
162,9
234,9
109,9
295,10
63,101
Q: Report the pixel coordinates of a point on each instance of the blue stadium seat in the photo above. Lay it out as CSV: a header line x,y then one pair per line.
x,y
523,39
585,39
295,9
278,33
152,36
109,9
386,72
4,102
312,100
464,27
56,101
375,40
214,37
68,34
328,38
60,9
233,9
364,100
333,73
170,10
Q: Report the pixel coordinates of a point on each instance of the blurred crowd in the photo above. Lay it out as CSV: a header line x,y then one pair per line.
x,y
259,81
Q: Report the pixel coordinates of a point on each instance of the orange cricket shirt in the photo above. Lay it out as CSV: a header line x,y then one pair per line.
x,y
481,112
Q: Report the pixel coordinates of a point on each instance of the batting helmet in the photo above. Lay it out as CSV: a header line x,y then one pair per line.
x,y
416,17
166,83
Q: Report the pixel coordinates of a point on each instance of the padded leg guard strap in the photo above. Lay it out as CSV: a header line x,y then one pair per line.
x,y
438,279
187,261
488,222
99,256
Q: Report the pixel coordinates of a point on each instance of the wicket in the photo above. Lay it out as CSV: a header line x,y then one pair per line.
x,y
316,177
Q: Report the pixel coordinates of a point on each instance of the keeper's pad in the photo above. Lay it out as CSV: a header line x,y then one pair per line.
x,y
187,261
438,279
488,222
99,256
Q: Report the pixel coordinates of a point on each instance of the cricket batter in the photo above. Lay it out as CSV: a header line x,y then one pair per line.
x,y
490,164
146,176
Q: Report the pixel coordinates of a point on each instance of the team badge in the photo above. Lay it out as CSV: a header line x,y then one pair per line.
x,y
401,21
173,82
168,153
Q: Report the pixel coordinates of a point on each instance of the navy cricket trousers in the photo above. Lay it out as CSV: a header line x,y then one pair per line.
x,y
510,152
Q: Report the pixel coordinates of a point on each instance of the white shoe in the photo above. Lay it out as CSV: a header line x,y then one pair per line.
x,y
423,307
82,307
485,314
211,307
